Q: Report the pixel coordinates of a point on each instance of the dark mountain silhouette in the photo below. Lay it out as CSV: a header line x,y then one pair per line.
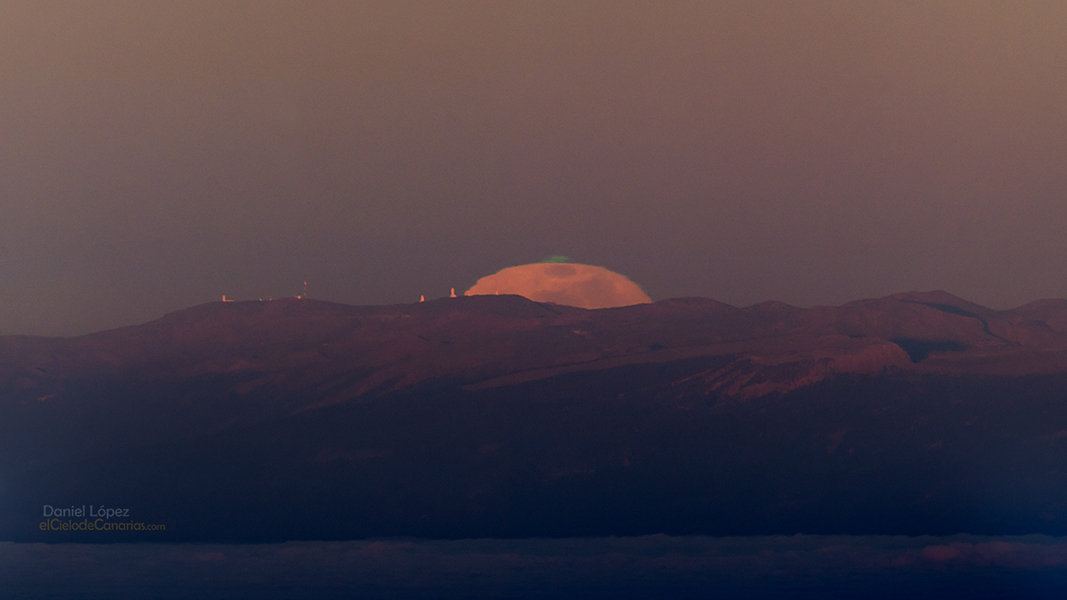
x,y
498,416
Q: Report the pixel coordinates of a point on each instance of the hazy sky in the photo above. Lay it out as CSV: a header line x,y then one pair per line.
x,y
156,155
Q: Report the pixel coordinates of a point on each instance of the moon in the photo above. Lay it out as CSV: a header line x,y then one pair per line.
x,y
572,284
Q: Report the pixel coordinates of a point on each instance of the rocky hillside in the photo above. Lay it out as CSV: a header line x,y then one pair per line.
x,y
498,416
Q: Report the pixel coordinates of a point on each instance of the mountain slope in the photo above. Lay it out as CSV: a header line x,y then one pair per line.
x,y
497,416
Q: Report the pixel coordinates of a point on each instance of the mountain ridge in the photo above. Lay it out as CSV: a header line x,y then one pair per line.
x,y
301,342
496,416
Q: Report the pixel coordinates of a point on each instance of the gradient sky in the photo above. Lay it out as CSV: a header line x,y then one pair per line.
x,y
156,155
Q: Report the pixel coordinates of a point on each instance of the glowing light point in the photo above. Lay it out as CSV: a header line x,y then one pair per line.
x,y
453,294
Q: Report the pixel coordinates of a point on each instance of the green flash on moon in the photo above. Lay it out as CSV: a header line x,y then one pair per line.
x,y
559,282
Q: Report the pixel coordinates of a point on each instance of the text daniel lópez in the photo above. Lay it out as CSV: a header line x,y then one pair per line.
x,y
93,518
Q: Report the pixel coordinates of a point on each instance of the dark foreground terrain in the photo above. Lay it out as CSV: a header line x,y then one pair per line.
x,y
658,566
496,417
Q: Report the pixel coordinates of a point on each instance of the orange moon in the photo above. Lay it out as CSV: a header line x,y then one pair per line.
x,y
572,284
